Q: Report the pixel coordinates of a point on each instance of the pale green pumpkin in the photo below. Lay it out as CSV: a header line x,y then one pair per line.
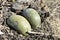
x,y
19,23
33,17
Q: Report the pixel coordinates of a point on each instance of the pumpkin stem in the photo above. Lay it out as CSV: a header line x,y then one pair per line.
x,y
44,34
35,33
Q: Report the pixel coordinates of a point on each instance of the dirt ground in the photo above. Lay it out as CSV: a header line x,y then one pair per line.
x,y
49,11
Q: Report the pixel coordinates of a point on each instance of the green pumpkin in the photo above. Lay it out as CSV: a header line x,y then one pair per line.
x,y
33,17
19,23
